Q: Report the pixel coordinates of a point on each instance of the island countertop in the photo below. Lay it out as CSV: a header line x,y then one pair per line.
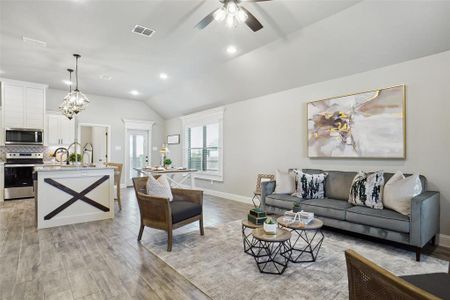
x,y
52,168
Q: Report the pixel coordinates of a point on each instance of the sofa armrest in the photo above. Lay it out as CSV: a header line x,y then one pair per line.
x,y
425,218
267,188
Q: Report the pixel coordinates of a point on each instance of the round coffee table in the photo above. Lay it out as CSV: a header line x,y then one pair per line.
x,y
309,238
247,238
272,251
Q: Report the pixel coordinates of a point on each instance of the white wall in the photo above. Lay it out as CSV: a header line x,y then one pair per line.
x,y
268,133
111,111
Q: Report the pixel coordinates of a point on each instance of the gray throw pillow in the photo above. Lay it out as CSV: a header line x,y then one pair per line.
x,y
367,190
310,186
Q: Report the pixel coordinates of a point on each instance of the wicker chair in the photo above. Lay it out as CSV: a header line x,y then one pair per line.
x,y
257,193
117,175
160,213
366,280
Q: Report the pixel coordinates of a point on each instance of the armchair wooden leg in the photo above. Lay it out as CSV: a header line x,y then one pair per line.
x,y
202,232
118,197
141,231
169,240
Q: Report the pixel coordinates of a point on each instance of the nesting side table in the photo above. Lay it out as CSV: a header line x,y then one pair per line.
x,y
272,252
308,239
247,237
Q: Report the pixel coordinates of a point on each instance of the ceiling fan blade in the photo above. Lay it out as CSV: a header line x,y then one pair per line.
x,y
251,21
206,20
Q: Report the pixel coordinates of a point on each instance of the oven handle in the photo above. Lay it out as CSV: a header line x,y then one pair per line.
x,y
19,165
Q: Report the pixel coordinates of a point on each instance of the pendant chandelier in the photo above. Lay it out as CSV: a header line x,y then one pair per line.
x,y
75,101
65,108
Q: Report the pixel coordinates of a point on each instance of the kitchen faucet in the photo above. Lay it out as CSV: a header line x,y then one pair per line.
x,y
88,148
62,149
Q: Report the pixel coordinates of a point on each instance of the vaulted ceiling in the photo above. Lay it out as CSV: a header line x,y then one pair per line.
x,y
302,42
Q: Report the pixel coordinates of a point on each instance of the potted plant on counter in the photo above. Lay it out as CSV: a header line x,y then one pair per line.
x,y
270,226
167,163
75,158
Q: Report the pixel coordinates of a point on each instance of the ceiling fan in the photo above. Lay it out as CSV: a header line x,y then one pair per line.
x,y
232,13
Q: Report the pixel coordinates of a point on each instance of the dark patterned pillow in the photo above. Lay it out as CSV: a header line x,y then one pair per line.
x,y
310,186
367,190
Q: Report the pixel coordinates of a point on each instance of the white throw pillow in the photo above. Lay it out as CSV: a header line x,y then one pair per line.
x,y
399,190
159,187
285,182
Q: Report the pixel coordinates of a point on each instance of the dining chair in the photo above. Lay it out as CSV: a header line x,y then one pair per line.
x,y
117,176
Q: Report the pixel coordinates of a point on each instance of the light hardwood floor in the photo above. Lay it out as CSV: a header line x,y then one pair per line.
x,y
98,260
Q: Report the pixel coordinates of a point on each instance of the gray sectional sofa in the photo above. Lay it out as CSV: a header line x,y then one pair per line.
x,y
336,212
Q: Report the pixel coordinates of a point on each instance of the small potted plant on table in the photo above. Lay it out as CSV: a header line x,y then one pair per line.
x,y
270,226
167,163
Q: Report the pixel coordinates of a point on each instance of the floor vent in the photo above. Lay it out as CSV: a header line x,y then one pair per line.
x,y
143,30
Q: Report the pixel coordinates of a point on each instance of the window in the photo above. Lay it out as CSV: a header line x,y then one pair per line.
x,y
203,143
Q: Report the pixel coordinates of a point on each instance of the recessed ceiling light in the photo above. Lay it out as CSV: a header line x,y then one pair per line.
x,y
105,77
134,92
67,82
163,76
231,49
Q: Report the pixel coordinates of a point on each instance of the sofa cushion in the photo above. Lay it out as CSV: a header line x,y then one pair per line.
x,y
281,201
338,183
182,210
330,208
382,218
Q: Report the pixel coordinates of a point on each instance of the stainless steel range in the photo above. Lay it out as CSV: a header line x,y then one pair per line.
x,y
19,168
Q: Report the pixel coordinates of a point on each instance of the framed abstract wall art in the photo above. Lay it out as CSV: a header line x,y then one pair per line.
x,y
370,124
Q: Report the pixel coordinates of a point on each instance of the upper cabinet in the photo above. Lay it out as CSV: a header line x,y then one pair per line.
x,y
59,130
23,104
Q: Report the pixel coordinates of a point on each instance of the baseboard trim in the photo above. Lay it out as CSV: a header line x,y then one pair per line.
x,y
444,240
229,196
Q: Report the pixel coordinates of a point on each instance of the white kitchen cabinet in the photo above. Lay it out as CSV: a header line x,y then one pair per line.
x,y
34,107
23,104
59,130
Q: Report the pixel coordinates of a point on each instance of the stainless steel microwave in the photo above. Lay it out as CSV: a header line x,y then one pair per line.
x,y
23,136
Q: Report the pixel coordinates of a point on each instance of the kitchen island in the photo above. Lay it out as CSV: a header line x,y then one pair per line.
x,y
69,194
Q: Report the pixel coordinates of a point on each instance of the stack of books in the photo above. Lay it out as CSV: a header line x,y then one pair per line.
x,y
257,216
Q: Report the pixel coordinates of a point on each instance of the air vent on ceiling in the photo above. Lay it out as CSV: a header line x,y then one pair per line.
x,y
143,30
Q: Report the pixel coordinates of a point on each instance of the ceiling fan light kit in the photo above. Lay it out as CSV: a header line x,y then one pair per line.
x,y
233,14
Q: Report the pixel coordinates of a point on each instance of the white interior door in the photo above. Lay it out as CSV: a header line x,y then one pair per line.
x,y
138,152
99,144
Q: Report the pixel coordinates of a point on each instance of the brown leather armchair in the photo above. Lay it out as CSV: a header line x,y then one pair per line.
x,y
160,213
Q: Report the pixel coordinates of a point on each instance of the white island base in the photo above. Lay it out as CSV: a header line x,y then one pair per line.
x,y
69,195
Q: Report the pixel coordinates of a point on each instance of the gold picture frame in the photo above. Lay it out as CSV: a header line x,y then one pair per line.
x,y
384,109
